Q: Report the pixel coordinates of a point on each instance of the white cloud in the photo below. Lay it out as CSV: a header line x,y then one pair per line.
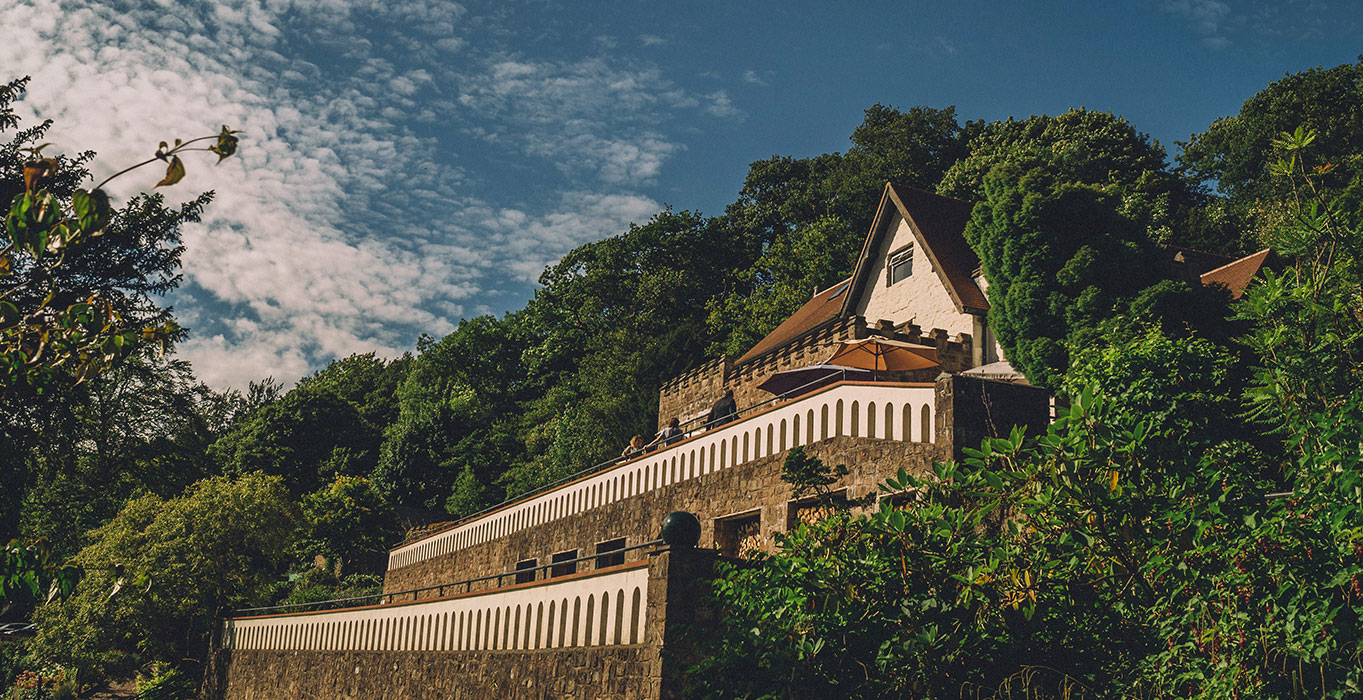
x,y
1207,18
359,212
651,40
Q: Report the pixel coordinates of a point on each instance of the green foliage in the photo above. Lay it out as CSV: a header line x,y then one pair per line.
x,y
308,437
76,275
1061,258
1235,152
809,475
1186,388
29,572
1136,548
167,682
162,572
46,683
345,518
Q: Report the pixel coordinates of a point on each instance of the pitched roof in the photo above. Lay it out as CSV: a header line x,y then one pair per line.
x,y
1190,264
824,307
1236,276
939,222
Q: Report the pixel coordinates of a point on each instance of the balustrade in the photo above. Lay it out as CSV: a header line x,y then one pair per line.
x,y
595,609
843,409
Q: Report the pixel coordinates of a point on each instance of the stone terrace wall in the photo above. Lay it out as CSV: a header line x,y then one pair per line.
x,y
677,578
755,486
692,393
613,672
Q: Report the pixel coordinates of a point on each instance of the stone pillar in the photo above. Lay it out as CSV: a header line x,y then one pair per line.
x,y
970,409
678,578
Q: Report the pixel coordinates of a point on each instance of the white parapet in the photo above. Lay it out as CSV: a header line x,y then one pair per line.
x,y
883,410
601,608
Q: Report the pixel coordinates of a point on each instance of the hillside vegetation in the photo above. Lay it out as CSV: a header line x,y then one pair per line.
x,y
1131,551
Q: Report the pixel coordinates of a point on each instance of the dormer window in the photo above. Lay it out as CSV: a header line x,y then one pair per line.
x,y
901,265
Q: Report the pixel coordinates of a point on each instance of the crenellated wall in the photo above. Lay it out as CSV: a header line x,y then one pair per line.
x,y
690,395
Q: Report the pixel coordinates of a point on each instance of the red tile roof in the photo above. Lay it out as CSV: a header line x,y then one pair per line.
x,y
824,307
1236,276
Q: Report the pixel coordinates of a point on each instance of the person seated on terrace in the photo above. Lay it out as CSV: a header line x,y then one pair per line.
x,y
724,410
672,433
634,448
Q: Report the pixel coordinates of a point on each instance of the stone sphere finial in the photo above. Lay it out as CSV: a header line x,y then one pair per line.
x,y
681,529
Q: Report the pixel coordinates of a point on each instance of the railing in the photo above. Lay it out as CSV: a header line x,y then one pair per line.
x,y
870,409
600,608
441,589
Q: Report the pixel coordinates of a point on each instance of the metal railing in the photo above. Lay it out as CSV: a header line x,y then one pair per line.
x,y
602,466
397,597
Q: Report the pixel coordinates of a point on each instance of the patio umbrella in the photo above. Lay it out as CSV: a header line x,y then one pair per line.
x,y
884,355
801,380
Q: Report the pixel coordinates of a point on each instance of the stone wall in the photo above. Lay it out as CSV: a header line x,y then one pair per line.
x,y
677,579
970,409
752,487
692,393
606,672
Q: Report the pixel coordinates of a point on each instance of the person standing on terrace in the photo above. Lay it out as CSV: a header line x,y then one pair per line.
x,y
666,436
724,410
634,448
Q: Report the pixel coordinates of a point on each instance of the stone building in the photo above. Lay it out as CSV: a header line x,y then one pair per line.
x,y
568,591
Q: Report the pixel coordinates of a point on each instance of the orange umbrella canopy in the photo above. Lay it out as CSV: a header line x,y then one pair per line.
x,y
882,354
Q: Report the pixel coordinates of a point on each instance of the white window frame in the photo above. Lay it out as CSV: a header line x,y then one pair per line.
x,y
899,259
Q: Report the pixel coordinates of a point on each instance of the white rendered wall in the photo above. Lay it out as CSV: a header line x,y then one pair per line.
x,y
600,610
921,298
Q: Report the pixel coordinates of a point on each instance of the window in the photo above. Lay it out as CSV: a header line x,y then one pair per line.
x,y
810,511
900,267
610,553
739,535
564,564
525,570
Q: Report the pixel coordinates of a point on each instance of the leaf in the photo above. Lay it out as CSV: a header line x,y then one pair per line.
x,y
174,173
92,210
226,145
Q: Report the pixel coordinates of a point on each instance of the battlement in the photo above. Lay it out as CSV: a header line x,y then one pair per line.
x,y
690,395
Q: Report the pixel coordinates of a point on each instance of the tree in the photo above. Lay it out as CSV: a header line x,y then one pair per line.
x,y
308,437
346,518
452,410
75,276
1235,153
1060,258
163,572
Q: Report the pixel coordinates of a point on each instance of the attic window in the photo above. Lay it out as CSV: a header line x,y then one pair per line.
x,y
901,265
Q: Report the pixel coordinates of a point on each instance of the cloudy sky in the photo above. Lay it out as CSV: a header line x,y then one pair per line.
x,y
407,163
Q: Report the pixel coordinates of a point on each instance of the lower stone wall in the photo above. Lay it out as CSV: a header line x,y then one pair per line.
x,y
608,672
754,487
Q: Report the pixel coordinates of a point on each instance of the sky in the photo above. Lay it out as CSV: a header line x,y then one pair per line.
x,y
408,163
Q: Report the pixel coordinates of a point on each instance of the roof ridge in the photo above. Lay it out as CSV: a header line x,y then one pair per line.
x,y
1237,261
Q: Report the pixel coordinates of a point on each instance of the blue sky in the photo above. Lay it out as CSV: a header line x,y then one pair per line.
x,y
407,163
